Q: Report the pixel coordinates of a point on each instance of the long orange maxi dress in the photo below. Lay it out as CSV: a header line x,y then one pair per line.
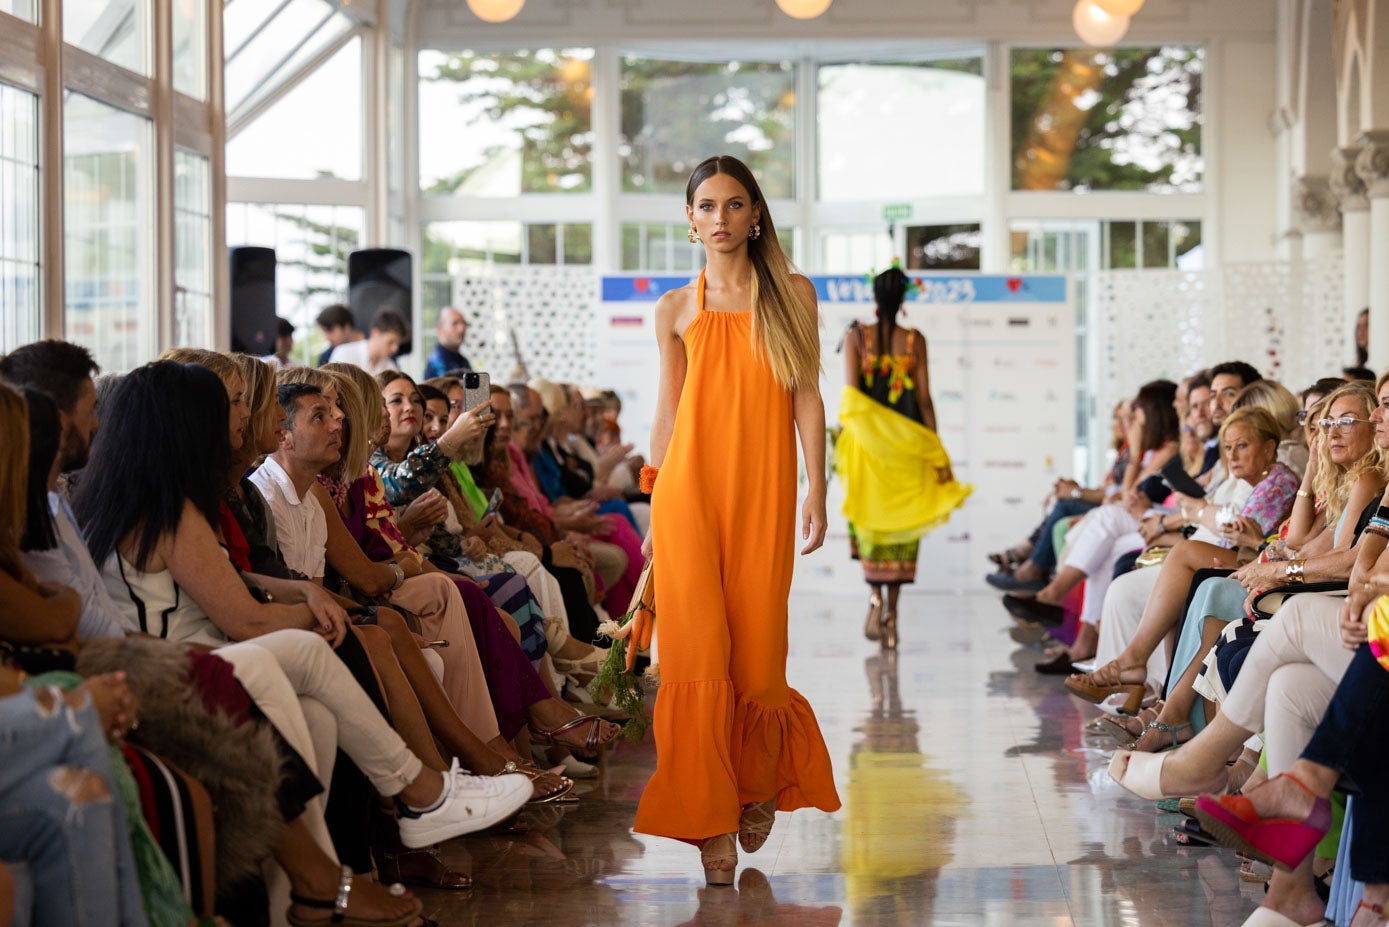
x,y
729,730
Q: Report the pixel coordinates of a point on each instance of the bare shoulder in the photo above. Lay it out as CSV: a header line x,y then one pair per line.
x,y
675,309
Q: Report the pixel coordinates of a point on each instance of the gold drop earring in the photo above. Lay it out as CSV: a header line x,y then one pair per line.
x,y
756,233
692,235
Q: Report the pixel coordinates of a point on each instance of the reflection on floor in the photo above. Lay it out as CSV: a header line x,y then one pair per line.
x,y
971,797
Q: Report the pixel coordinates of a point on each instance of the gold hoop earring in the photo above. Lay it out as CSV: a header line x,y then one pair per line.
x,y
692,235
755,234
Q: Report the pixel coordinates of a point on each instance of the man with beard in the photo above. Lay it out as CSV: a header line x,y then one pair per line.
x,y
64,372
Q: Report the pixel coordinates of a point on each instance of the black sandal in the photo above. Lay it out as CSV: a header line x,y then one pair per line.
x,y
338,905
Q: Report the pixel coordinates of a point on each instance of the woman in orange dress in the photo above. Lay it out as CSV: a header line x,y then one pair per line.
x,y
740,366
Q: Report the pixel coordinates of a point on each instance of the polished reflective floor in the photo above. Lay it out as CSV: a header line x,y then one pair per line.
x,y
971,794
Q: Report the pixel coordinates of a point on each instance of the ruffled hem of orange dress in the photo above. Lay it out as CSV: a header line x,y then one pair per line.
x,y
705,772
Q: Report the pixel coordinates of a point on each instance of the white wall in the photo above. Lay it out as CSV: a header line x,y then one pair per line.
x,y
1242,153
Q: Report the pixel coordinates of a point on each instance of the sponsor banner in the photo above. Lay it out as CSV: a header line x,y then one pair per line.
x,y
1002,374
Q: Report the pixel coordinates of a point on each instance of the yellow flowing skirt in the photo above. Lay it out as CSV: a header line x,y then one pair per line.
x,y
889,465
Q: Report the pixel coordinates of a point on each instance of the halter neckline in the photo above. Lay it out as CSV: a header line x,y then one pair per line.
x,y
699,301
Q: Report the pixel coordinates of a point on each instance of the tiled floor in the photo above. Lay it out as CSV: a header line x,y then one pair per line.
x,y
971,797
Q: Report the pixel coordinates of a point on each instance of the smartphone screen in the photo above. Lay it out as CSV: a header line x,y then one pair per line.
x,y
477,390
493,503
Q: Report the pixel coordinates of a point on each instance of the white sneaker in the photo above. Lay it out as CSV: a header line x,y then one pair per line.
x,y
470,803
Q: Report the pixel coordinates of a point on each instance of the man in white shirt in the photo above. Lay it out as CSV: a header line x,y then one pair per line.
x,y
312,440
377,351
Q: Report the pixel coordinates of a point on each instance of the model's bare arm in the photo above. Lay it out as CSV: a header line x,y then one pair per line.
x,y
809,410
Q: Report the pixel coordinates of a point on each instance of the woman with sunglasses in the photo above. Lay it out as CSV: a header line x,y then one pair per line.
x,y
1249,441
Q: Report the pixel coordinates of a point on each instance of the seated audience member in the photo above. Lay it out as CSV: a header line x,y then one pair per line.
x,y
1068,500
1108,532
311,872
149,504
1227,381
375,353
338,327
615,546
419,707
560,464
1340,476
1275,398
520,699
1249,439
451,331
59,800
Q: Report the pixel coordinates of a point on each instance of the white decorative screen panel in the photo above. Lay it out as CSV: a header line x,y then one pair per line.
x,y
539,319
1285,318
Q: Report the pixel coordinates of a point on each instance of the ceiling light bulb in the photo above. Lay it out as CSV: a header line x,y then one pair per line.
x,y
803,9
1096,27
1119,7
495,11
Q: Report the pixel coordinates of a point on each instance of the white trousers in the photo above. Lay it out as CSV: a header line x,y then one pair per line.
x,y
1289,676
1120,616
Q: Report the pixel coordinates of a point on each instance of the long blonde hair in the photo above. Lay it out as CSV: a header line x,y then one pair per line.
x,y
785,332
1334,481
259,378
373,406
14,477
224,365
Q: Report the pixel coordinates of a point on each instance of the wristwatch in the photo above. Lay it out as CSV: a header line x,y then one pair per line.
x,y
399,575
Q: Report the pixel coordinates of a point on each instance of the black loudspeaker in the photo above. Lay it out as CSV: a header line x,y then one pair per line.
x,y
253,323
379,278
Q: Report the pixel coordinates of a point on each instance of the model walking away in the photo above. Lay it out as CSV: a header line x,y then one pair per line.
x,y
898,483
740,367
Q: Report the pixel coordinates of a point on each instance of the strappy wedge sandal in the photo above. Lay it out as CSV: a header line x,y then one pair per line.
x,y
338,906
755,825
719,849
1107,681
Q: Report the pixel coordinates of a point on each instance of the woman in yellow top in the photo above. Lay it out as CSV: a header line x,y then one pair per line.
x,y
740,368
897,477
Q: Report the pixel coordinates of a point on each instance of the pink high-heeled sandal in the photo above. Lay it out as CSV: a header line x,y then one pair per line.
x,y
1232,820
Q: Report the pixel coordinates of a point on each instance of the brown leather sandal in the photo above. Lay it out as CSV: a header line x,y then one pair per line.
x,y
1108,681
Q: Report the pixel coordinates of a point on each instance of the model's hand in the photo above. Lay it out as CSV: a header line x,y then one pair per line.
x,y
813,522
647,551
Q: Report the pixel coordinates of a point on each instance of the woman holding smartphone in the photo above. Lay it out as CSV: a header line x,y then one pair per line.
x,y
740,366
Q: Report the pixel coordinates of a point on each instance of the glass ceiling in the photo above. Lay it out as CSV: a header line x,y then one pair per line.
x,y
270,43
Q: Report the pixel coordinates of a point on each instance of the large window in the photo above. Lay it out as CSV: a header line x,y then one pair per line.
x,y
24,9
108,231
192,250
897,132
19,218
117,30
315,130
1095,119
500,125
676,113
311,247
267,42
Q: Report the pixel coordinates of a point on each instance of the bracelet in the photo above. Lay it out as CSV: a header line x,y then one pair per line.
x,y
1378,531
399,575
647,481
1304,494
1293,572
1380,522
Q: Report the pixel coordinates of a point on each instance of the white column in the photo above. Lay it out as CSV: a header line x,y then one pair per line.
x,y
1372,164
1355,239
1316,217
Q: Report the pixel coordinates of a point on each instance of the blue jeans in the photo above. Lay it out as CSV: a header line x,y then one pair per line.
x,y
1044,553
1353,739
78,851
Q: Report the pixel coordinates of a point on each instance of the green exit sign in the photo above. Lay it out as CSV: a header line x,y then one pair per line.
x,y
897,211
